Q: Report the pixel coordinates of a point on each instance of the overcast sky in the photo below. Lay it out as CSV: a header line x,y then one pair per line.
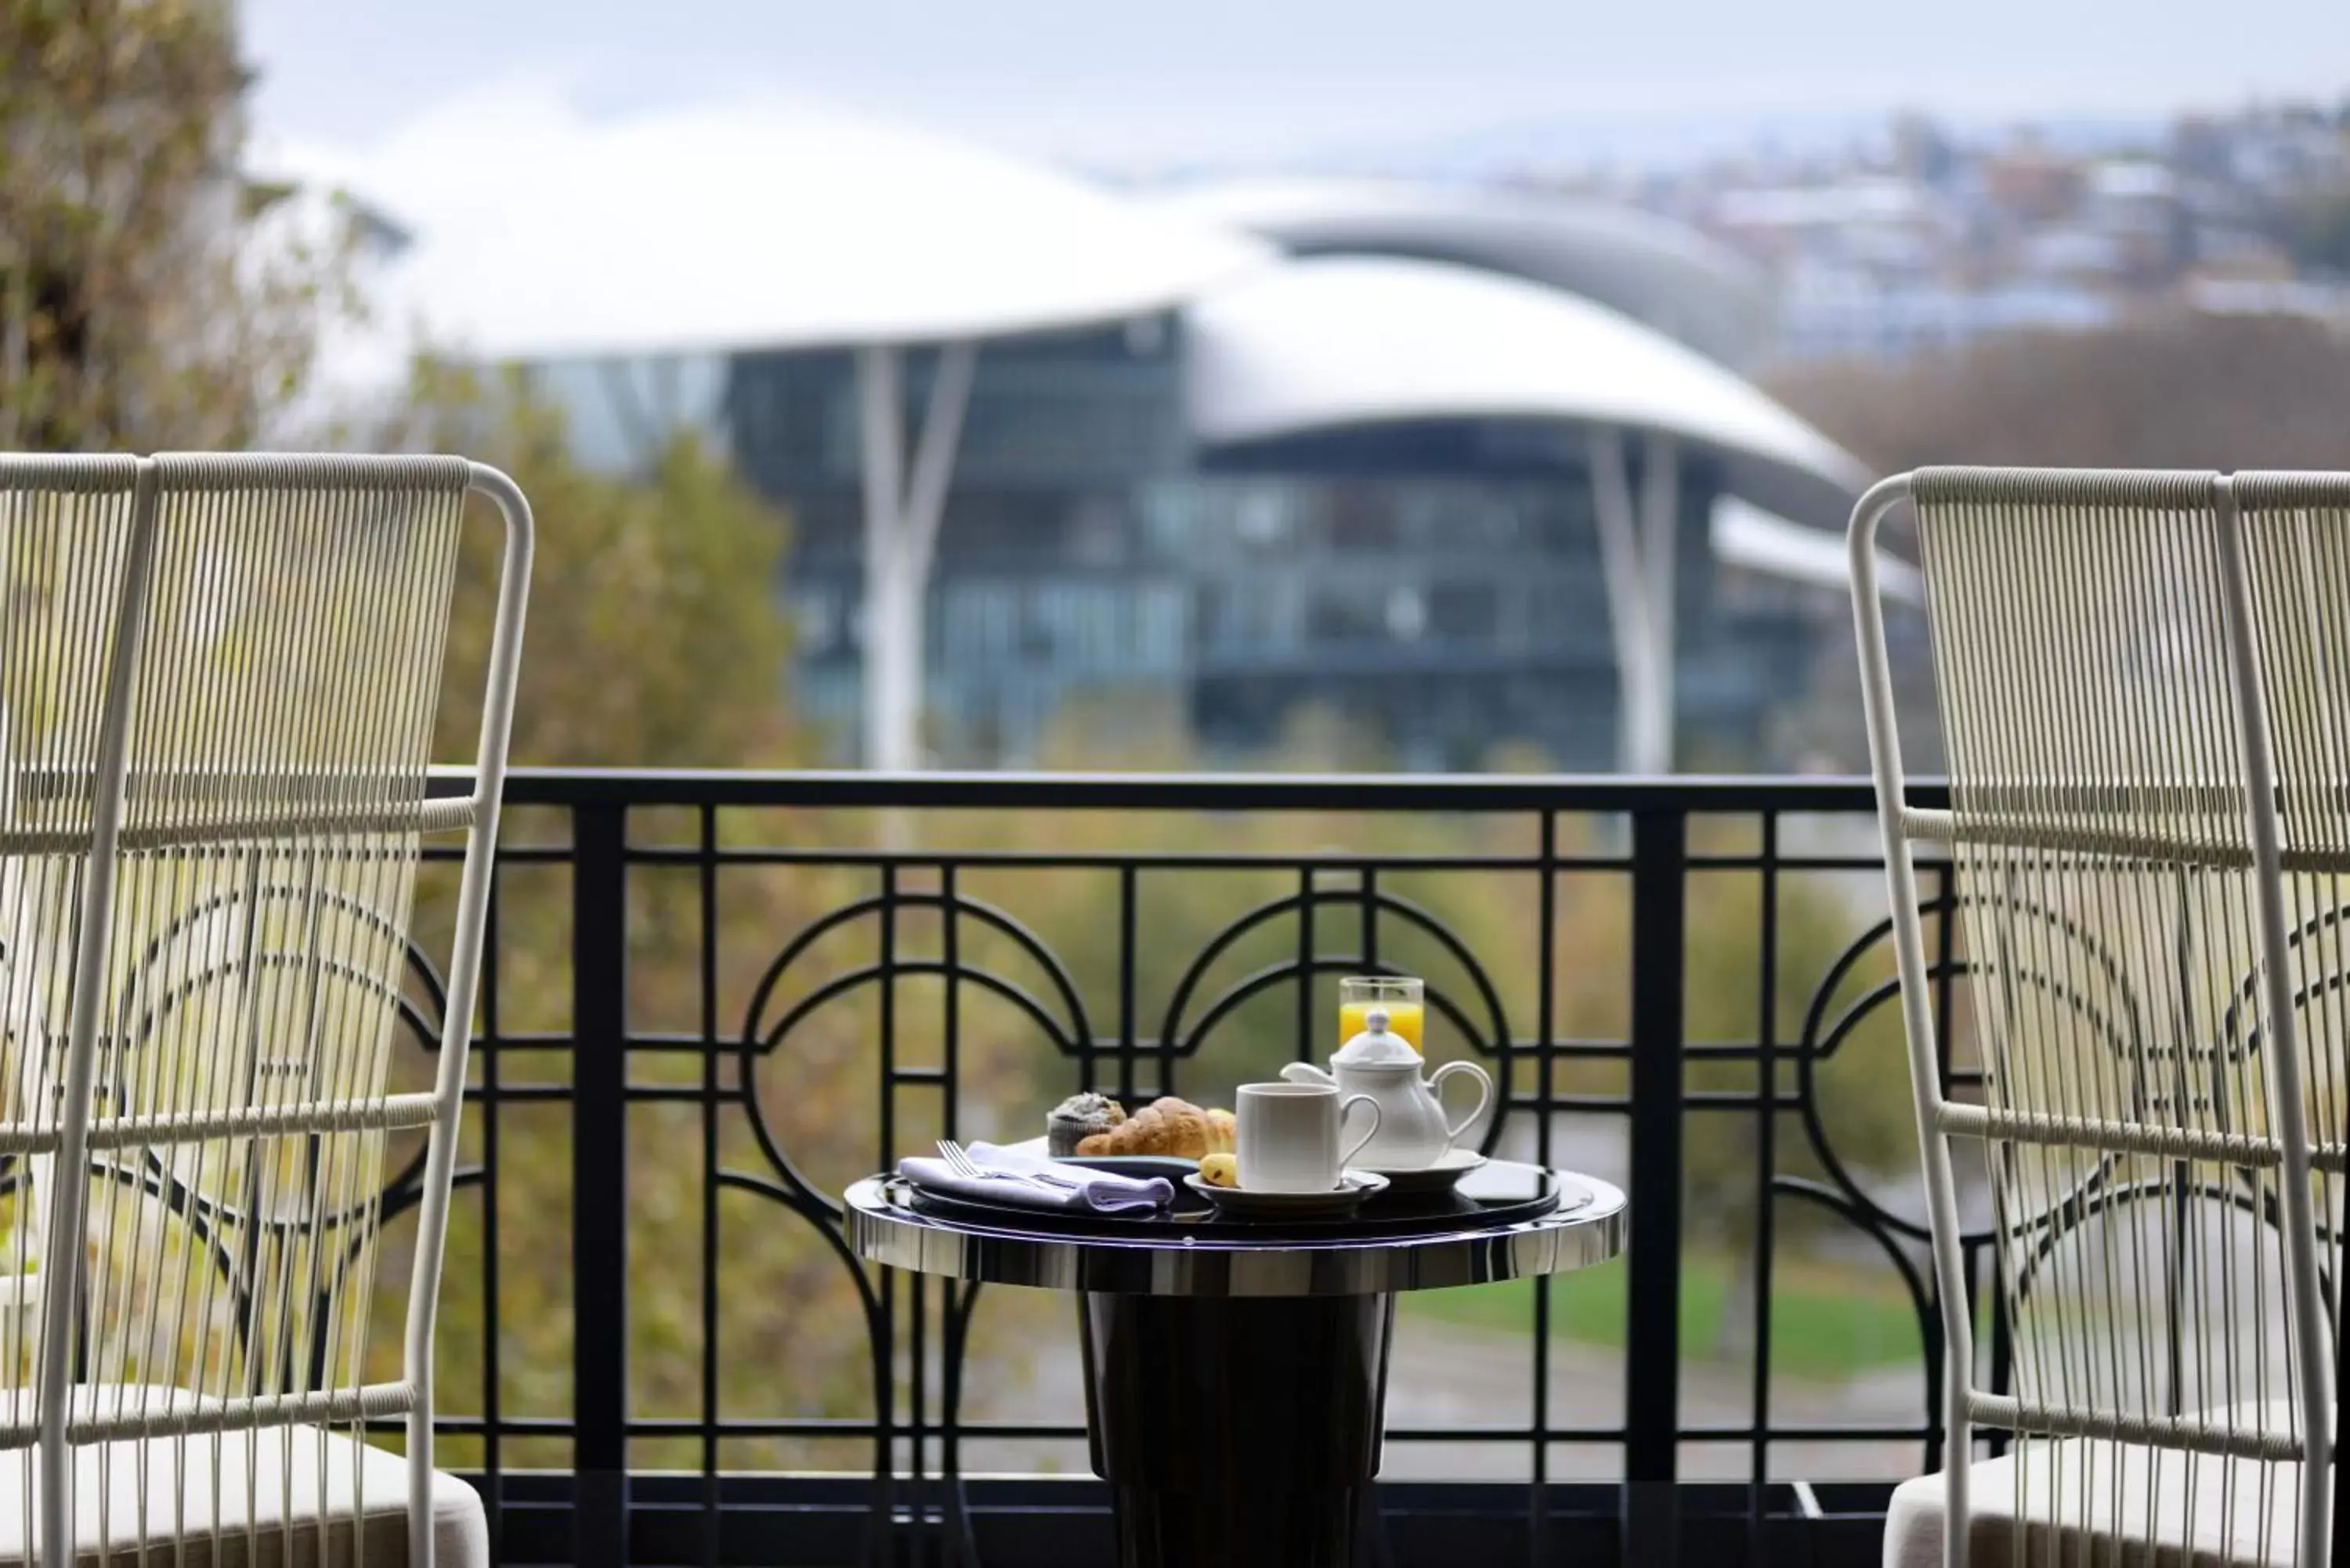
x,y
1125,83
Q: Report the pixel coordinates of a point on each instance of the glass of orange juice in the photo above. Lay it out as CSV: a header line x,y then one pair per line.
x,y
1400,997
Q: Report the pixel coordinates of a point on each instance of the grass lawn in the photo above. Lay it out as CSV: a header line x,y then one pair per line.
x,y
1826,1322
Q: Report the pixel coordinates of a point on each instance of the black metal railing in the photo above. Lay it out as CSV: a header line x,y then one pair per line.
x,y
712,999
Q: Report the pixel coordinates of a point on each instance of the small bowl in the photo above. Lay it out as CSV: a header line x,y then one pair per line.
x,y
1141,1167
1170,1166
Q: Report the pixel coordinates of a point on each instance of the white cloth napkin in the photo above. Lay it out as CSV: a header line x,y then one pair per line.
x,y
1033,1181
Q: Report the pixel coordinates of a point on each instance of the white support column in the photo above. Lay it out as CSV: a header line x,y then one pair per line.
x,y
1661,554
902,529
892,684
1630,602
934,455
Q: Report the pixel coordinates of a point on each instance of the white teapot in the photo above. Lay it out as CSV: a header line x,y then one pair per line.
x,y
1412,1133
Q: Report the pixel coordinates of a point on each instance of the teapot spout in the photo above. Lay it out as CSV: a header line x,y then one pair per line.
x,y
1306,1073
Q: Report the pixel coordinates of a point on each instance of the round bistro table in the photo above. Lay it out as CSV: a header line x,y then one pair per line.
x,y
1236,1386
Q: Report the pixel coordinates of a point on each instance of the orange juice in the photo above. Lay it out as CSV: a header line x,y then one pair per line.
x,y
1403,1019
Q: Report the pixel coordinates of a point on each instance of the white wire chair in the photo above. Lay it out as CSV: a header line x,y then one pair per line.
x,y
218,680
2142,682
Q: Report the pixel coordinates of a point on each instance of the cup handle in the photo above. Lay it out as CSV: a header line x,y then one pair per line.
x,y
1454,1130
1347,1155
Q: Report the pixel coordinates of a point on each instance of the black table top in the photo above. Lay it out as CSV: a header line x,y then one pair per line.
x,y
1225,1260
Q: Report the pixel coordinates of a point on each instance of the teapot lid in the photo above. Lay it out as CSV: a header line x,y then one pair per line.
x,y
1374,1047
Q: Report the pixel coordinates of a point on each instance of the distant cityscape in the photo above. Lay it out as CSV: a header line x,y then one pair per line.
x,y
1921,237
1380,476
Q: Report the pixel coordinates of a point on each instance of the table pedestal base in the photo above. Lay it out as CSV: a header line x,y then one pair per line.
x,y
1236,1432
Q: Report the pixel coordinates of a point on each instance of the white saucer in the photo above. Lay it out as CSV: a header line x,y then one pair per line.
x,y
1353,1189
1441,1177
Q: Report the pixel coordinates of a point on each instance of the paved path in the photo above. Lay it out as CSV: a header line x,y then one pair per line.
x,y
1445,1374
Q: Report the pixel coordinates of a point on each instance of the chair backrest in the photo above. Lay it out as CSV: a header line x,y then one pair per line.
x,y
2141,695
219,678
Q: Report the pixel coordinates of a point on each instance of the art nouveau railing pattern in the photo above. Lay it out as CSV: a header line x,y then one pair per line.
x,y
714,999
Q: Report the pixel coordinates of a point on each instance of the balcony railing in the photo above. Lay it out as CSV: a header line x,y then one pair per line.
x,y
714,1000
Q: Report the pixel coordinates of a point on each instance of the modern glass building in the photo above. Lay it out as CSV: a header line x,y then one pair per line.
x,y
1437,583
1226,455
1046,587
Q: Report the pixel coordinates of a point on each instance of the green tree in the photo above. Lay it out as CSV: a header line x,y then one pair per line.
x,y
141,306
654,637
2316,230
655,632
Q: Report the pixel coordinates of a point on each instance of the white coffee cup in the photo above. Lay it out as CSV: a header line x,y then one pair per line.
x,y
1288,1136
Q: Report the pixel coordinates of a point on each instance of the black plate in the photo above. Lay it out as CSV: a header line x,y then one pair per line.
x,y
1501,1192
1141,1167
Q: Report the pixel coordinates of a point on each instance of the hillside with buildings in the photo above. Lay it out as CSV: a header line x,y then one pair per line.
x,y
1921,237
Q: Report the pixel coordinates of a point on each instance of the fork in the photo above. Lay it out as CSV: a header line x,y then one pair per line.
x,y
959,1160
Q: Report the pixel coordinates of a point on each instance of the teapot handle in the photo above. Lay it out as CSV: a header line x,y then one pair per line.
x,y
1453,1130
1306,1073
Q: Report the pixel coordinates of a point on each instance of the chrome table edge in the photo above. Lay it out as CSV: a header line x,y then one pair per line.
x,y
1572,1237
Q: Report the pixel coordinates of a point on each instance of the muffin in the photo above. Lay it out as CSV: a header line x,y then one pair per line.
x,y
1078,1117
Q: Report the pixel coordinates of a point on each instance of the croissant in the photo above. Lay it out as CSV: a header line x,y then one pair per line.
x,y
1189,1123
1145,1132
1166,1127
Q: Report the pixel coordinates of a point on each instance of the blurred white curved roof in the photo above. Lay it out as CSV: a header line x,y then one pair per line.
x,y
1321,343
772,223
1745,534
1655,271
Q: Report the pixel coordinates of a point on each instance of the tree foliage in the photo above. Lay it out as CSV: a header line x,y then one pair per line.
x,y
144,302
2173,391
2315,230
656,634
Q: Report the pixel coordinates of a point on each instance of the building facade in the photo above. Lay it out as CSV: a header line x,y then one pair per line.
x,y
1434,584
1358,480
